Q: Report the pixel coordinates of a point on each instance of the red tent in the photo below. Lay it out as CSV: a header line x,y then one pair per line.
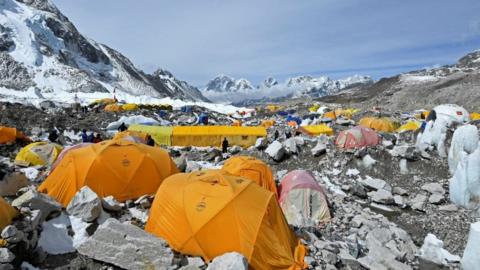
x,y
303,200
357,137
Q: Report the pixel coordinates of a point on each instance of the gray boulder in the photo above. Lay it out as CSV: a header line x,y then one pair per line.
x,y
381,196
127,246
11,183
276,151
319,149
37,201
434,188
6,256
229,261
85,204
109,203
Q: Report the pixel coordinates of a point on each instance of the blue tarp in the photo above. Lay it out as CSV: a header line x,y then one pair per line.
x,y
292,118
203,119
282,113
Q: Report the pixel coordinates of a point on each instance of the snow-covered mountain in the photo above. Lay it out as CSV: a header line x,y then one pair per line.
x,y
42,53
226,89
223,83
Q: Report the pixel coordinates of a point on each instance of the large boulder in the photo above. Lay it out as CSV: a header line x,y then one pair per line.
x,y
85,204
11,183
229,261
127,246
276,151
37,201
290,145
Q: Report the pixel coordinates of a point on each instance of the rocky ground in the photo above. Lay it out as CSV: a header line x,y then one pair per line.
x,y
385,200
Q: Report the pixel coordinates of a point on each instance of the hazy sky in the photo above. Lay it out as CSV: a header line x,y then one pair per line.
x,y
196,40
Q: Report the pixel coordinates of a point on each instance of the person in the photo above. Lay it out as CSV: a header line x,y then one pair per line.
x,y
122,127
53,135
84,109
84,136
224,145
97,138
150,141
276,135
90,138
432,116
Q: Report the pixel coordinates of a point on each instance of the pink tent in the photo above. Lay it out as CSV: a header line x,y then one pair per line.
x,y
357,137
66,150
303,200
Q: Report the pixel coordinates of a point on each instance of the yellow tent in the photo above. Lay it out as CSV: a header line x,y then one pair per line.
x,y
378,124
160,134
422,113
267,123
208,214
8,135
130,107
409,126
474,116
251,168
314,108
273,108
123,169
317,130
347,113
131,135
113,108
38,153
105,101
7,213
213,135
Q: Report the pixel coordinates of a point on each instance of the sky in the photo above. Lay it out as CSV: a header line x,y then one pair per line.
x,y
253,39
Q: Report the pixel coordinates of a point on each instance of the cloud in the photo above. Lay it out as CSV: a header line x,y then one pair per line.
x,y
197,40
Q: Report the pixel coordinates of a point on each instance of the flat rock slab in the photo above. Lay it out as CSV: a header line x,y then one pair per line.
x,y
127,246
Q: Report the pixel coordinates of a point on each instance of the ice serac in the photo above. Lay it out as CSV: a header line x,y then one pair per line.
x,y
42,52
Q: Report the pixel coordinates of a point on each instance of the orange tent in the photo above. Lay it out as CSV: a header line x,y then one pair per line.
x,y
330,114
113,108
378,124
7,213
267,123
207,214
8,135
123,169
292,124
251,168
237,123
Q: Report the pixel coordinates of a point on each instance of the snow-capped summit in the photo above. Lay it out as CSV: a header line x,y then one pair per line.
x,y
42,53
176,87
268,83
224,83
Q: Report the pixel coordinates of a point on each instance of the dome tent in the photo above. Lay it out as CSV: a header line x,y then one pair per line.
x,y
378,124
303,200
7,213
123,169
8,135
66,150
357,137
38,153
208,214
251,168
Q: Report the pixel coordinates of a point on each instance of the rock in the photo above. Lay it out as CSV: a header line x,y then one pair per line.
x,y
299,141
109,203
290,145
357,221
375,184
381,207
127,246
381,196
144,201
6,256
319,149
261,143
368,162
436,198
432,250
361,153
399,200
329,257
399,191
181,163
192,166
434,188
85,204
388,144
37,201
352,172
12,235
309,260
359,190
190,267
404,151
235,149
11,183
229,261
448,208
418,203
195,261
276,151
212,154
